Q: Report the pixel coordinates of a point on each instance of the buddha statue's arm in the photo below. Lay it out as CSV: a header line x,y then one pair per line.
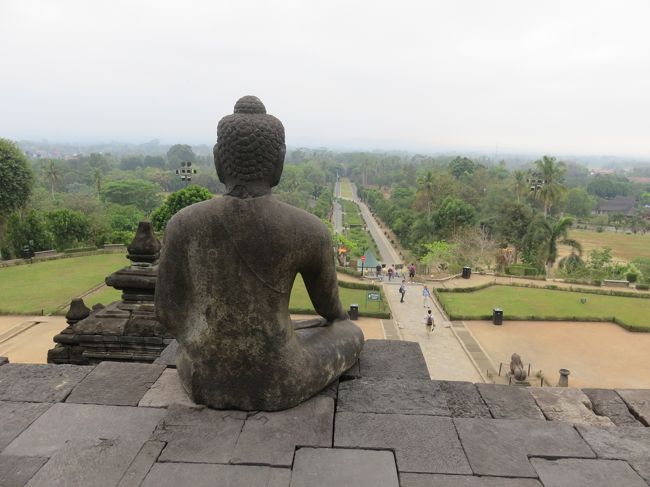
x,y
173,280
320,279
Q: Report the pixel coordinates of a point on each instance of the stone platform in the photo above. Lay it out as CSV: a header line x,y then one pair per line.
x,y
384,424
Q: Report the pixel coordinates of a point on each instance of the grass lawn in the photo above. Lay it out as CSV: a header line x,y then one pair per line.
x,y
346,189
544,303
351,215
300,298
28,289
105,295
624,247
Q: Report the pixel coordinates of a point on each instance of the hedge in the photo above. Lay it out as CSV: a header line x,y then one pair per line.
x,y
349,271
359,285
365,314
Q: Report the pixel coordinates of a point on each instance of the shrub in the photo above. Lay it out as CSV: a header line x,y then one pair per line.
x,y
631,276
643,287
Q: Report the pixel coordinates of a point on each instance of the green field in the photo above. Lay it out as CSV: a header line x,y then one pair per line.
x,y
624,247
105,296
351,215
28,289
522,303
346,189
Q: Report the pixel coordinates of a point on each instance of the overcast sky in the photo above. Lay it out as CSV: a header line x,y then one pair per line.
x,y
557,77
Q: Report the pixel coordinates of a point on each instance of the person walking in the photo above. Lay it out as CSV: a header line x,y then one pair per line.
x,y
429,323
402,290
412,271
378,271
426,296
390,273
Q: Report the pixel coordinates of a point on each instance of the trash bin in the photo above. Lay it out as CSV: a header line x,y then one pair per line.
x,y
354,312
467,272
497,316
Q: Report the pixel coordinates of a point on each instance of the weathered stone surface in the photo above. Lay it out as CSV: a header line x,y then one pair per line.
x,y
576,472
270,438
16,471
327,467
438,480
199,435
353,372
568,405
509,402
392,396
83,422
165,391
606,402
168,355
501,447
392,359
204,475
225,277
638,400
464,400
116,383
100,463
39,383
421,443
141,464
628,443
4,360
15,417
331,391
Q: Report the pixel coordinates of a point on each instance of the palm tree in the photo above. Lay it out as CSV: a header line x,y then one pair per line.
x,y
520,184
556,233
551,188
52,173
426,183
97,180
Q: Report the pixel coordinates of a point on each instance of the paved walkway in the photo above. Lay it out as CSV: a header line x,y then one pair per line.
x,y
446,359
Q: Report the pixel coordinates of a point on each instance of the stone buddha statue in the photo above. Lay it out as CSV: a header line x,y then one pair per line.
x,y
226,273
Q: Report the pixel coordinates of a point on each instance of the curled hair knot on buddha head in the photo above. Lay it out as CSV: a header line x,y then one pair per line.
x,y
250,145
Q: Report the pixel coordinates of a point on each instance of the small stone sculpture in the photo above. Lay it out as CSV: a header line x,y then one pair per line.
x,y
226,272
517,370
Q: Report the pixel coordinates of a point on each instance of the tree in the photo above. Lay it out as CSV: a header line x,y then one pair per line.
x,y
462,166
180,153
438,255
513,222
609,186
579,203
16,178
142,194
67,227
544,237
176,202
551,173
97,180
452,215
30,229
53,175
519,184
426,189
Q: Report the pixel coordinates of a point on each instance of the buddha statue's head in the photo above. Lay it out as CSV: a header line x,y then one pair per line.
x,y
249,153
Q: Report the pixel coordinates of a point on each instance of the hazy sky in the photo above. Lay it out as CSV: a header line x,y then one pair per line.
x,y
557,77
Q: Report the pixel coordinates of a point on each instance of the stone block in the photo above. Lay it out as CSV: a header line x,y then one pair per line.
x,y
141,464
270,438
392,359
4,360
628,443
353,372
509,402
39,382
116,384
501,447
165,391
331,391
421,443
606,402
392,396
206,475
567,405
438,480
198,435
100,463
575,472
327,467
78,422
168,355
464,400
15,417
638,400
16,471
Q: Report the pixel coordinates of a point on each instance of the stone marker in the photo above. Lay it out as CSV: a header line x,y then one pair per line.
x,y
606,402
392,396
15,417
204,475
271,438
501,447
437,480
393,359
507,402
39,383
574,472
16,471
116,383
329,467
627,443
421,443
638,400
568,405
225,278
